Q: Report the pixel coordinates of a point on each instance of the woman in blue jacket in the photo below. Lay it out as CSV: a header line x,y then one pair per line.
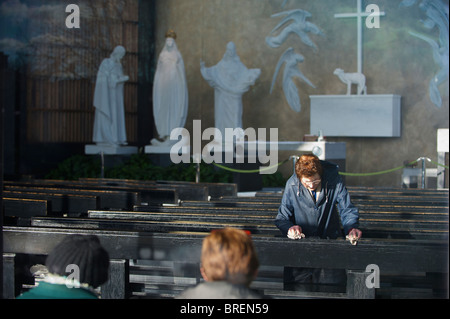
x,y
316,203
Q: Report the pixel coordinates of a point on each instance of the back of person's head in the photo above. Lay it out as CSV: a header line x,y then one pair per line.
x,y
228,254
307,166
83,251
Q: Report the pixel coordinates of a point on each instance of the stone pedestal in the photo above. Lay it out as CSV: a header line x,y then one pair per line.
x,y
108,149
160,154
334,152
322,149
442,153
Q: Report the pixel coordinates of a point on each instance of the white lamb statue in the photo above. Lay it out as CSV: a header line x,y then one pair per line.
x,y
352,78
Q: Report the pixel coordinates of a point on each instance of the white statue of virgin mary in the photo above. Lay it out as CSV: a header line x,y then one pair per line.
x,y
170,93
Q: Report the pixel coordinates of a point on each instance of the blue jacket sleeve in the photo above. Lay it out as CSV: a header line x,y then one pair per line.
x,y
349,213
285,217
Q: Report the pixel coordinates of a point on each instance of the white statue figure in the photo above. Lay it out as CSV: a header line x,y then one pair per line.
x,y
230,79
109,122
352,78
170,92
298,26
291,70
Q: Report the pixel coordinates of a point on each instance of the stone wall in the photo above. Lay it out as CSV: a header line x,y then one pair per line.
x,y
394,62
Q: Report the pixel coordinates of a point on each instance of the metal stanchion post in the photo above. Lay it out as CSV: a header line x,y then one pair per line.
x,y
197,174
423,159
294,159
423,172
102,174
197,158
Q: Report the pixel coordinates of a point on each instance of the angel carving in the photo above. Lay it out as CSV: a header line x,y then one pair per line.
x,y
298,26
440,57
291,70
437,16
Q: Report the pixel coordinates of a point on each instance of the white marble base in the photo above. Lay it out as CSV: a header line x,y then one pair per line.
x,y
159,149
324,150
442,140
374,115
442,150
108,149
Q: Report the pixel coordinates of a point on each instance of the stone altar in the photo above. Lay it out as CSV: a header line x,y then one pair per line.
x,y
372,115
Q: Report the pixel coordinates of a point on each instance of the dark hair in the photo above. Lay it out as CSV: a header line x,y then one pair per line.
x,y
84,251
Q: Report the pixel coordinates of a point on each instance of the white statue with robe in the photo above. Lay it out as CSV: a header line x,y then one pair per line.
x,y
170,92
109,122
230,79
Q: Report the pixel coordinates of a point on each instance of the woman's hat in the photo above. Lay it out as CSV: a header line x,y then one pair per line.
x,y
86,253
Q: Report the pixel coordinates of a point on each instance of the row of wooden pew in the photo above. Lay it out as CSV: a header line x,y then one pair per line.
x,y
153,231
74,198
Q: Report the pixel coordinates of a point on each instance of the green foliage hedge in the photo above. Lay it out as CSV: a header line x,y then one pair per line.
x,y
140,167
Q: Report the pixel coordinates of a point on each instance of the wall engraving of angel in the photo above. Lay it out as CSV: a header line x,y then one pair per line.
x,y
294,22
291,70
437,16
298,26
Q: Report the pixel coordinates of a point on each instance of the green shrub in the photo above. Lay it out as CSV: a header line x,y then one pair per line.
x,y
75,167
140,167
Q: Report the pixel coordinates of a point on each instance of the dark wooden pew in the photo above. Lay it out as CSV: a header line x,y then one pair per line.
x,y
376,224
392,255
256,210
402,211
174,219
397,191
215,190
372,227
61,203
114,199
175,224
411,227
150,189
425,194
401,207
362,200
239,203
183,191
112,194
196,215
20,207
379,223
